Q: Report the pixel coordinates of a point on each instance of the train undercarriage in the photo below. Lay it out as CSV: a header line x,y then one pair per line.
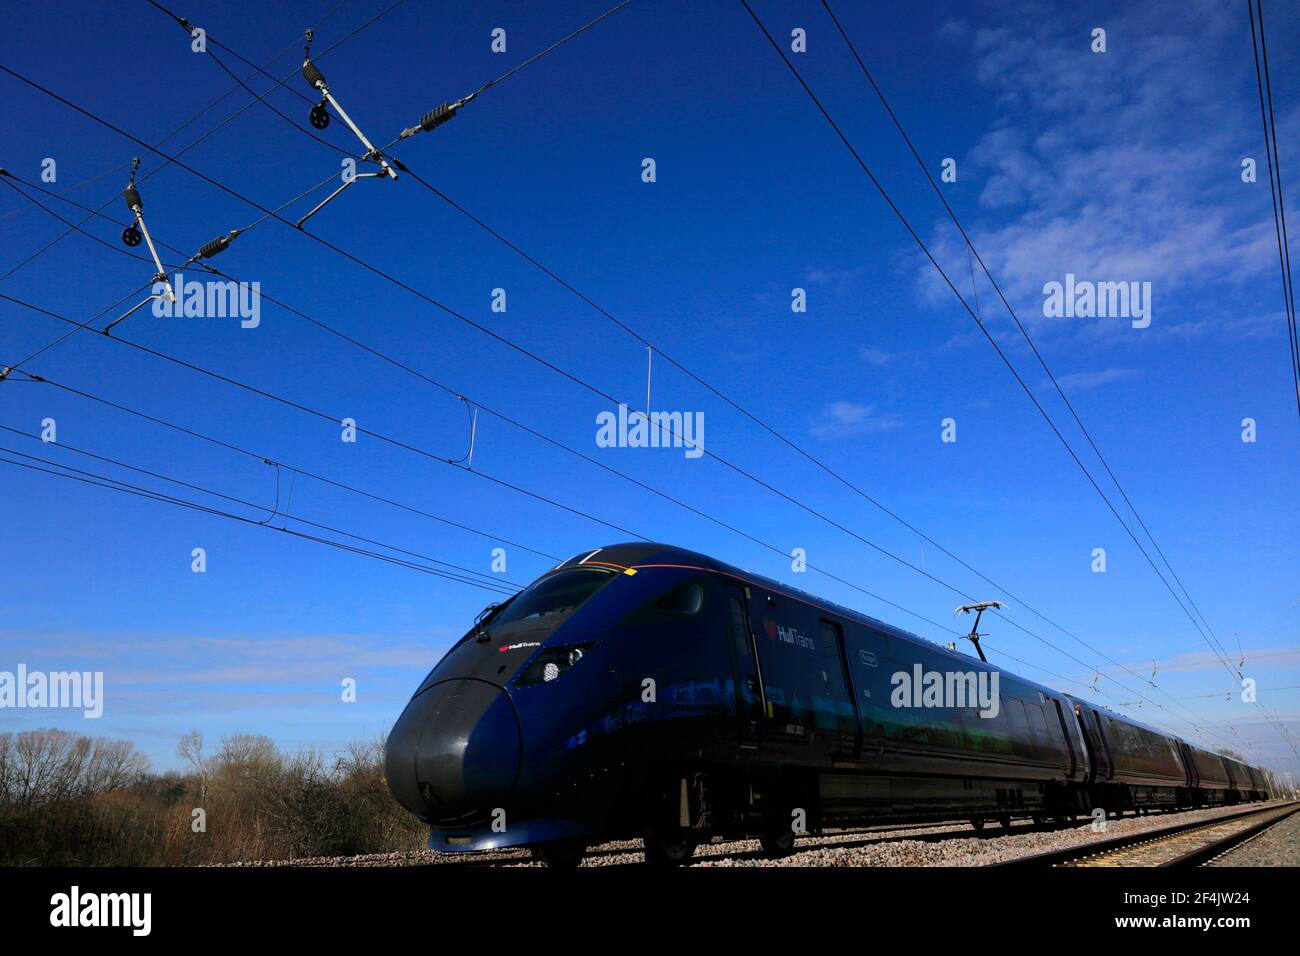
x,y
677,812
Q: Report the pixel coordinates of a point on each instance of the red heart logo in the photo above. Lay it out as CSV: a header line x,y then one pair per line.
x,y
769,625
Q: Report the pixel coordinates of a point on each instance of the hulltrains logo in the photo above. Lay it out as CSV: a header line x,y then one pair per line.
x,y
787,635
514,647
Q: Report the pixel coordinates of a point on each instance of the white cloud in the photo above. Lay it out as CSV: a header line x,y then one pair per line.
x,y
835,280
1077,381
849,418
1122,166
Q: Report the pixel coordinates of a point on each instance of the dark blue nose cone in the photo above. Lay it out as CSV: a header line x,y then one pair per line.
x,y
454,754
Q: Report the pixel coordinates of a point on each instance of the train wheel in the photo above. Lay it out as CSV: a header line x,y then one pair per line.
x,y
670,850
977,823
778,844
1005,820
560,855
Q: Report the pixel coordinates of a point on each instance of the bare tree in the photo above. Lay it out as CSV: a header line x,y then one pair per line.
x,y
190,749
6,769
37,766
113,765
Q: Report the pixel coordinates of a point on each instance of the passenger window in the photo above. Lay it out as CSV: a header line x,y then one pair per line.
x,y
832,664
833,700
1017,714
1036,720
738,631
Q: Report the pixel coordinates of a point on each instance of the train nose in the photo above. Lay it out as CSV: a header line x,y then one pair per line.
x,y
455,752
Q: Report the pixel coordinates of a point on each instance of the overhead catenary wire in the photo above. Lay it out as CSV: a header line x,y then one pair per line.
x,y
973,251
982,327
208,250
1288,292
534,432
611,316
1195,721
280,82
513,421
441,114
405,168
1264,85
103,481
370,267
77,327
591,460
499,338
277,511
211,181
478,473
296,469
1209,640
1088,689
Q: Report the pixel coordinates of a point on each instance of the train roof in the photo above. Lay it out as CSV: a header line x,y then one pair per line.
x,y
645,554
649,554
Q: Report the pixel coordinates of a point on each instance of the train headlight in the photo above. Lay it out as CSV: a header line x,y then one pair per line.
x,y
551,664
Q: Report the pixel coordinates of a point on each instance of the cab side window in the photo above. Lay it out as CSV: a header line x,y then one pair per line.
x,y
674,606
683,601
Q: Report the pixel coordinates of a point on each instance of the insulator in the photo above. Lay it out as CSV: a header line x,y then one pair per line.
x,y
437,116
314,77
132,197
217,245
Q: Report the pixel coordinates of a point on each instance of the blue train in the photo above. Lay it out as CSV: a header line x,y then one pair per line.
x,y
642,691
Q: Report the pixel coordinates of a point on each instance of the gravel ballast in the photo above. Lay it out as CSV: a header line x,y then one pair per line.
x,y
1279,845
950,844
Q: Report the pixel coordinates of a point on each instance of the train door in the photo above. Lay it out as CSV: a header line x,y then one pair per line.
x,y
1073,742
837,692
1105,759
746,674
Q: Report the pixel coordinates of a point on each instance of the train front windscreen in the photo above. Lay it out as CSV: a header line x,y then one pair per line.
x,y
494,649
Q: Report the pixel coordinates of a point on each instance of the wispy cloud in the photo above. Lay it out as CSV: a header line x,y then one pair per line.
x,y
837,280
1078,381
1116,166
849,418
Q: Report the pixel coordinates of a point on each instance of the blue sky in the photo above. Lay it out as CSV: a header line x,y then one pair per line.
x,y
1122,166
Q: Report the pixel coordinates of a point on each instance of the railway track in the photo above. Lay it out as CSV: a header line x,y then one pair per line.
x,y
1182,844
904,844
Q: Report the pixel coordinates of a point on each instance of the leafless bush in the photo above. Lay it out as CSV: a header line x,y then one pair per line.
x,y
67,799
39,766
